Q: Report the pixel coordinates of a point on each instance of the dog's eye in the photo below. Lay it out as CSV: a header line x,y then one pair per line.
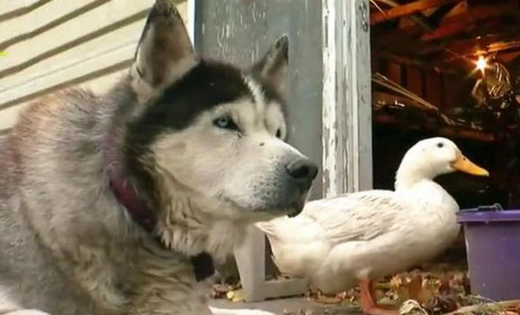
x,y
278,133
225,122
440,145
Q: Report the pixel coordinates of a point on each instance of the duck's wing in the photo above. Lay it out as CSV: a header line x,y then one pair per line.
x,y
356,217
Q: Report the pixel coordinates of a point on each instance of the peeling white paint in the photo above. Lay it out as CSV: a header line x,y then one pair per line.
x,y
347,140
329,140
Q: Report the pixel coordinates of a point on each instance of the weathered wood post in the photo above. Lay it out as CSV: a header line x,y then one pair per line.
x,y
347,104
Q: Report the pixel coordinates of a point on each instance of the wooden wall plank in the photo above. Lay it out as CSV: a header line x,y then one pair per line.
x,y
14,8
414,80
433,88
53,44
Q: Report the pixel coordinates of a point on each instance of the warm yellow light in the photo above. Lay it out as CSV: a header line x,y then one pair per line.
x,y
481,63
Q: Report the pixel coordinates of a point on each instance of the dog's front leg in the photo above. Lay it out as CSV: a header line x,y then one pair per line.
x,y
222,311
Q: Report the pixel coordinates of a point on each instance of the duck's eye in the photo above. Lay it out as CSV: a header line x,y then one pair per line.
x,y
440,145
278,133
225,122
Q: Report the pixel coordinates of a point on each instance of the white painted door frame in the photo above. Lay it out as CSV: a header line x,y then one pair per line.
x,y
347,104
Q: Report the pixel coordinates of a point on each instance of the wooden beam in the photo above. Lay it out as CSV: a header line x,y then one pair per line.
x,y
448,30
404,60
415,80
433,88
489,25
417,19
443,131
508,56
473,14
441,12
407,9
395,73
484,12
507,40
506,49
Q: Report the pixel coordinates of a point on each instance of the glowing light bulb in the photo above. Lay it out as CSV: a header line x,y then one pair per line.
x,y
481,63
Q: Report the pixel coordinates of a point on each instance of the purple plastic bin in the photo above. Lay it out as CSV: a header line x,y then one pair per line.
x,y
493,246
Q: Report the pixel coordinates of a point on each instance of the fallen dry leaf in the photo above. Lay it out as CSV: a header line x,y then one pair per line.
x,y
441,289
495,308
220,290
412,307
346,297
236,295
441,304
413,286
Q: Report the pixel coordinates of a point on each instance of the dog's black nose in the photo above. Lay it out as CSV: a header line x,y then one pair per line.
x,y
302,170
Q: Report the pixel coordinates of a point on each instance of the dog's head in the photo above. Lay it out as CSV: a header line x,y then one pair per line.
x,y
215,130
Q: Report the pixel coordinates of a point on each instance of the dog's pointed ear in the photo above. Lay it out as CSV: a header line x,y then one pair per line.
x,y
164,53
273,65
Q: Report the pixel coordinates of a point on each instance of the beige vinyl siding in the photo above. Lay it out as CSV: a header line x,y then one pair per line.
x,y
47,45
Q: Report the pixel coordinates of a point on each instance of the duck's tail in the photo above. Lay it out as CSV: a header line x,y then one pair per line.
x,y
292,241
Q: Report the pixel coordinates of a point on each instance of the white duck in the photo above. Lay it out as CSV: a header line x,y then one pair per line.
x,y
338,242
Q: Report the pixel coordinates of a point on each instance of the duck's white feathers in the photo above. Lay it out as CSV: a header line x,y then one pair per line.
x,y
335,241
353,217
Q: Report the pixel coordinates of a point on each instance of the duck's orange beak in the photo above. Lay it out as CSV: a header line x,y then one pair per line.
x,y
463,164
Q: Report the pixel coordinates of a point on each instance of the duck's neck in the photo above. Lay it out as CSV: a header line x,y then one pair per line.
x,y
407,177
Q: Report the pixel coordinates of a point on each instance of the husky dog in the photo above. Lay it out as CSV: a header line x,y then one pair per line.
x,y
119,204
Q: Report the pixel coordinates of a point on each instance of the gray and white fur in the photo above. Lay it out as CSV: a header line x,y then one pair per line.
x,y
200,142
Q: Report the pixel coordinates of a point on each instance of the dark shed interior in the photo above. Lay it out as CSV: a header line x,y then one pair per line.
x,y
449,68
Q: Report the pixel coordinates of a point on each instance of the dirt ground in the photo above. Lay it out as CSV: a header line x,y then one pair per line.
x,y
291,306
405,286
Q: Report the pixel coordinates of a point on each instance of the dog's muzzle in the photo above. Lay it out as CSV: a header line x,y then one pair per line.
x,y
286,190
299,175
302,172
